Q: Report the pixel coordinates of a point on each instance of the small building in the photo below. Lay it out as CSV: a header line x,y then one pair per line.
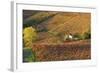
x,y
68,37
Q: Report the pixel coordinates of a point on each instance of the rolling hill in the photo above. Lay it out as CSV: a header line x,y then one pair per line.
x,y
51,24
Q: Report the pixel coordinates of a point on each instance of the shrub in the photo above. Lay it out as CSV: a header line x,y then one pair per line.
x,y
29,55
87,35
77,36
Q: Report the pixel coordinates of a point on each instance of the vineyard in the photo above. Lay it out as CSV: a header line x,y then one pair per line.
x,y
76,50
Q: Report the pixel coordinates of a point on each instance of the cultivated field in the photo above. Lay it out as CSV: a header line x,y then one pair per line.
x,y
74,50
56,36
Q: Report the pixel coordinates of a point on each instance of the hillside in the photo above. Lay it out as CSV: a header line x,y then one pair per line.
x,y
51,26
68,23
37,17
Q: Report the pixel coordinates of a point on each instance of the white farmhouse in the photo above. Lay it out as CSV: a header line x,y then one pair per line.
x,y
68,37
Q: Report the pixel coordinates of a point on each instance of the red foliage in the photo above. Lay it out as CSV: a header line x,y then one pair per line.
x,y
66,51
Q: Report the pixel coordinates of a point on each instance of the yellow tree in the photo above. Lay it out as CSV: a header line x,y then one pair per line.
x,y
29,36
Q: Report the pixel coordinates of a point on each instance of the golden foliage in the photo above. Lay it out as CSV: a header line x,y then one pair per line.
x,y
29,37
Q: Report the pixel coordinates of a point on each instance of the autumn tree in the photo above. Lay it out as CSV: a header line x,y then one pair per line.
x,y
29,36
